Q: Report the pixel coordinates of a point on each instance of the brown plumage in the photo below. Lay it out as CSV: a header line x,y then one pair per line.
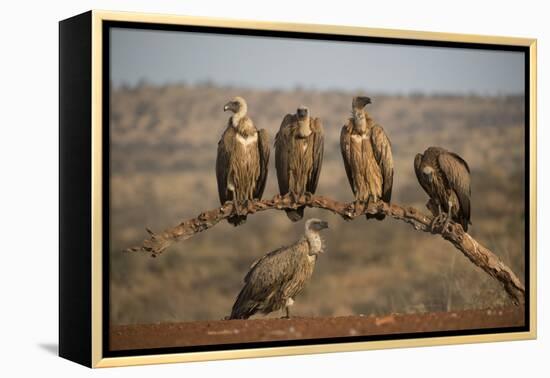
x,y
299,156
241,163
276,279
367,155
445,176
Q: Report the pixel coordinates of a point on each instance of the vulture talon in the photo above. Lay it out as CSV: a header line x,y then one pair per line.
x,y
245,206
237,208
436,222
370,200
250,207
293,197
446,224
357,207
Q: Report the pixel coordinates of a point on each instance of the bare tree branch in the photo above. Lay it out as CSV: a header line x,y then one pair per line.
x,y
474,251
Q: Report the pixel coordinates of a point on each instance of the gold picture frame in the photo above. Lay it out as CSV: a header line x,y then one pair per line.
x,y
78,274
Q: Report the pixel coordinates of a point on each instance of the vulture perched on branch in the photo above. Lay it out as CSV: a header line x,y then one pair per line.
x,y
445,176
298,156
367,155
241,164
276,279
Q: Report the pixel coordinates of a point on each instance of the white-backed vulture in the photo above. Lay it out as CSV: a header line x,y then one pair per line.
x,y
367,155
274,280
445,176
298,156
241,163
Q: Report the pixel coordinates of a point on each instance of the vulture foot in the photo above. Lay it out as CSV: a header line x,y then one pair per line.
x,y
239,208
378,204
349,212
294,197
436,226
446,224
287,313
250,208
286,197
290,197
371,200
357,207
308,196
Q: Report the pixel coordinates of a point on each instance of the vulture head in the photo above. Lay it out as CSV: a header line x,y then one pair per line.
x,y
359,114
302,112
316,225
237,105
428,172
360,102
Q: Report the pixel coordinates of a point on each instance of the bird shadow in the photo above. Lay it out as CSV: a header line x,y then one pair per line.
x,y
51,348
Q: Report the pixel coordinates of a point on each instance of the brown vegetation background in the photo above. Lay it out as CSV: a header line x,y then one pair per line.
x,y
163,150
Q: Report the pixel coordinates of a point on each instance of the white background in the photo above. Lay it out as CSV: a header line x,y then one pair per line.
x,y
29,186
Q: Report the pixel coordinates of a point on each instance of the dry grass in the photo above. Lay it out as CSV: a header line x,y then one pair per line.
x,y
163,153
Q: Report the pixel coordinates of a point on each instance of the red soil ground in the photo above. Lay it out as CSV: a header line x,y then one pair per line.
x,y
239,331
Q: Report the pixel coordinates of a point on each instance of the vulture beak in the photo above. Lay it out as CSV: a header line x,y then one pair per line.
x,y
302,112
360,102
226,107
365,100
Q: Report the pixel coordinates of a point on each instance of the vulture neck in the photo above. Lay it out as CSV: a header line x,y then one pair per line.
x,y
237,117
243,125
304,128
361,124
316,243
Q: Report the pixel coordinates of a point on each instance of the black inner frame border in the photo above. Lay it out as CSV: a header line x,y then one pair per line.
x,y
108,25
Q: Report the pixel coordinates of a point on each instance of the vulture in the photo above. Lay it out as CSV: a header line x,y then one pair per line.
x,y
299,156
445,177
273,281
241,163
366,151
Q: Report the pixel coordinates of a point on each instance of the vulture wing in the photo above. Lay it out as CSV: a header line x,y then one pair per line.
x,y
282,145
263,146
225,146
457,173
382,152
318,149
345,147
266,276
263,270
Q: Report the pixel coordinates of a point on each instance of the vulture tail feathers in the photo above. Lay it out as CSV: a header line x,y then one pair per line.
x,y
295,215
467,223
376,216
237,220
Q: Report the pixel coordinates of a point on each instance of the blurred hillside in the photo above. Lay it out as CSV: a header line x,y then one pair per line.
x,y
163,150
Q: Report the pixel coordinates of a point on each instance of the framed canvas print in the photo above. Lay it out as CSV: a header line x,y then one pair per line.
x,y
235,189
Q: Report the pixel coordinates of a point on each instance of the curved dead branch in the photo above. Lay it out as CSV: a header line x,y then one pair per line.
x,y
473,250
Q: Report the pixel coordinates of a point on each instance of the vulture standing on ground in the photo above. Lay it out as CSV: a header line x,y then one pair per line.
x,y
241,164
299,156
274,280
367,155
445,176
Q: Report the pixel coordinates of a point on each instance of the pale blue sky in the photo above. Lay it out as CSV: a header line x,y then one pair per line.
x,y
162,57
